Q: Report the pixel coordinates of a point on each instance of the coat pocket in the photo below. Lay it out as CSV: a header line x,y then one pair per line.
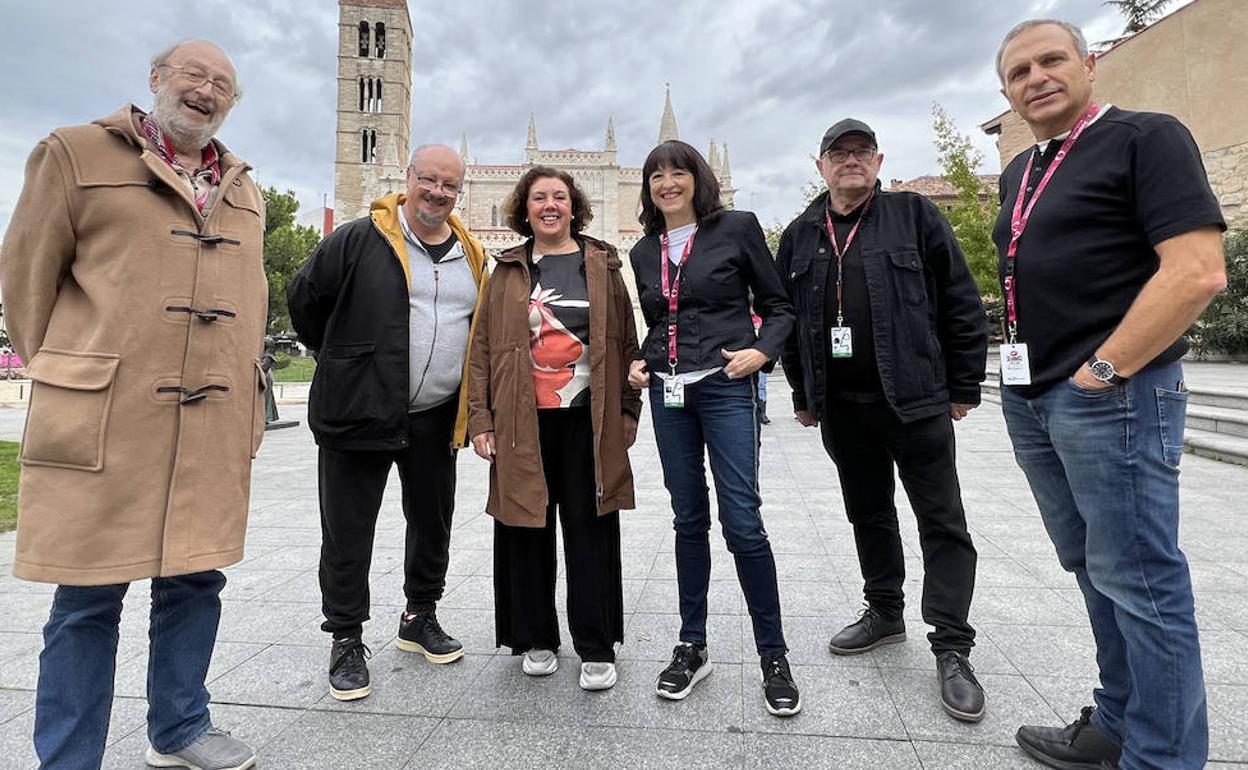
x,y
259,416
70,402
908,275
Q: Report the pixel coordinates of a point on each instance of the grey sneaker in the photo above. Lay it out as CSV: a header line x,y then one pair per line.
x,y
214,750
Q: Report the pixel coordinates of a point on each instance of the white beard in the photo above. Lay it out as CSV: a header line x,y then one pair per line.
x,y
185,135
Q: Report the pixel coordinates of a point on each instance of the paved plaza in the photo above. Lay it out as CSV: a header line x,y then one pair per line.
x,y
1034,652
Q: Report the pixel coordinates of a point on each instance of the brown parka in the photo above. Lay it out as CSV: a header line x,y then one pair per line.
x,y
142,323
501,395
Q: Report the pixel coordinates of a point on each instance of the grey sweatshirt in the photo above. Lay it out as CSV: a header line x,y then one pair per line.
x,y
442,297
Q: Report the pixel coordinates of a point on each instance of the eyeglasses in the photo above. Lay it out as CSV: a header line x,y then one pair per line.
x,y
449,189
862,154
195,77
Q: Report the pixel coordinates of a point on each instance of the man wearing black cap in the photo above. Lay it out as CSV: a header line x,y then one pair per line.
x,y
889,348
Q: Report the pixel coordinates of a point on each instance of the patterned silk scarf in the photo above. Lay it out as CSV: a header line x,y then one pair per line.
x,y
203,180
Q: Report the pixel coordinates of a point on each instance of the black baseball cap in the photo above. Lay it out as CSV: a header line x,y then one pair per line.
x,y
843,127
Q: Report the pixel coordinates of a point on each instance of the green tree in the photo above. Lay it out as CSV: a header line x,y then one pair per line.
x,y
286,246
776,229
1138,13
1223,328
974,213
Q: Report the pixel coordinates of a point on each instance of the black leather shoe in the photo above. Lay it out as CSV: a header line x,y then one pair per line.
x,y
868,632
1077,746
960,692
421,632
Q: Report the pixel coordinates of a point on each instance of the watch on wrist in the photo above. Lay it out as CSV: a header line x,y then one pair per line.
x,y
1104,371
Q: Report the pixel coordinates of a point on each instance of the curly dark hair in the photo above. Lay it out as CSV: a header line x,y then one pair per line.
x,y
676,154
515,208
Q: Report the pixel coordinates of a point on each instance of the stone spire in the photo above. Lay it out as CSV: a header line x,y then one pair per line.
x,y
463,147
609,144
667,126
725,173
532,143
712,157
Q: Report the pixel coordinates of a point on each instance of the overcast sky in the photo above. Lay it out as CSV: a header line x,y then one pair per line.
x,y
765,76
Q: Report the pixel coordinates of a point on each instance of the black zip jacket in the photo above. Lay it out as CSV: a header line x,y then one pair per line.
x,y
350,303
928,325
729,263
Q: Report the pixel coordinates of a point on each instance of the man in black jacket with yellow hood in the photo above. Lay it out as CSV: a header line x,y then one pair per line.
x,y
889,348
388,302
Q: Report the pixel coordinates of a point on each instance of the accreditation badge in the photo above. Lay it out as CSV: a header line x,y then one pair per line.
x,y
842,341
673,393
1015,367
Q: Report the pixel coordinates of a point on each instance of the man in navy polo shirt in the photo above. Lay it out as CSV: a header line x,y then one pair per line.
x,y
1112,252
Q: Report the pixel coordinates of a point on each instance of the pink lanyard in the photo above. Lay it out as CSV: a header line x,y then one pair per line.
x,y
840,254
1021,216
672,294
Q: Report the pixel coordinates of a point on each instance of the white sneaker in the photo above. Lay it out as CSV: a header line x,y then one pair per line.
x,y
540,663
597,676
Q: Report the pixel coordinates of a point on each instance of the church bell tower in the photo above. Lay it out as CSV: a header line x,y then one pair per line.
x,y
374,103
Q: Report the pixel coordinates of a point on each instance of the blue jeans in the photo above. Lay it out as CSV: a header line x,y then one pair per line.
x,y
76,668
1104,468
718,417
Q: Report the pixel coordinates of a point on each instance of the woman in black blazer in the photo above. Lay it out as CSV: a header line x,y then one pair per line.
x,y
697,269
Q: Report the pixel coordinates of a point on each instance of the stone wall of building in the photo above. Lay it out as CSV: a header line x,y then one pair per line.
x,y
1228,174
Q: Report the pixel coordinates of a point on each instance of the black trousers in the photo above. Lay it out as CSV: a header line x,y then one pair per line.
x,y
351,488
865,440
525,564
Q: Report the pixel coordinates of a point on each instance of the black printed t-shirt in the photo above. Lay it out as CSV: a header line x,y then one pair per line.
x,y
559,330
1131,181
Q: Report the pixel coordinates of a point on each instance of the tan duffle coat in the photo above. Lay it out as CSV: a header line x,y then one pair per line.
x,y
141,323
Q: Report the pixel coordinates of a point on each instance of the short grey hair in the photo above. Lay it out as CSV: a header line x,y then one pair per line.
x,y
1076,37
162,58
463,163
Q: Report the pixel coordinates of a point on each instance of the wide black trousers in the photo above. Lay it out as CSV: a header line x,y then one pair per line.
x,y
525,564
865,440
351,488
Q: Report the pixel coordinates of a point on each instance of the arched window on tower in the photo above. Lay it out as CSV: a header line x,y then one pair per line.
x,y
493,216
362,104
380,37
372,146
364,145
377,94
369,101
363,39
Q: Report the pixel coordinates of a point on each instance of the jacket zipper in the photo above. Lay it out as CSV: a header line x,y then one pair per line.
x,y
434,342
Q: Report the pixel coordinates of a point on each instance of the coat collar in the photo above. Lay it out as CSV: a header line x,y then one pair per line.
x,y
594,249
123,123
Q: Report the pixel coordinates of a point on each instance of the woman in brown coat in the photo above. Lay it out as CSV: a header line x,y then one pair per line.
x,y
551,409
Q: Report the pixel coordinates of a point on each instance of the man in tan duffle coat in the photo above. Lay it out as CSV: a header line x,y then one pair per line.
x,y
135,290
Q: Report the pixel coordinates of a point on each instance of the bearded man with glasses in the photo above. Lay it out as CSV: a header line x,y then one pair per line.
x,y
889,348
388,302
134,288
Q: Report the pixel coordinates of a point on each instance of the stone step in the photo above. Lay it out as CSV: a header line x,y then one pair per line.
x,y
1216,446
1212,419
1221,399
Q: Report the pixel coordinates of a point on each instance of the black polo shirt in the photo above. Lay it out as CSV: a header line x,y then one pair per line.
x,y
1131,181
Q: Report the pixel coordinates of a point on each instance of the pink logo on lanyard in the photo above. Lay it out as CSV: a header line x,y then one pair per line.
x,y
1020,216
672,293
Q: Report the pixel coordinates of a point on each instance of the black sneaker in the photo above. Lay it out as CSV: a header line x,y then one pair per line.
x,y
690,665
960,692
1077,746
348,671
868,632
420,632
779,691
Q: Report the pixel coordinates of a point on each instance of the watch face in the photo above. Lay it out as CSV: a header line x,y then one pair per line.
x,y
1102,370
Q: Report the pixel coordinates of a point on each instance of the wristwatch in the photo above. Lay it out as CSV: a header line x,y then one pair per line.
x,y
1104,371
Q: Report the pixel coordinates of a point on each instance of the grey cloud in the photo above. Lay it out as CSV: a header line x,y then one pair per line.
x,y
765,77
